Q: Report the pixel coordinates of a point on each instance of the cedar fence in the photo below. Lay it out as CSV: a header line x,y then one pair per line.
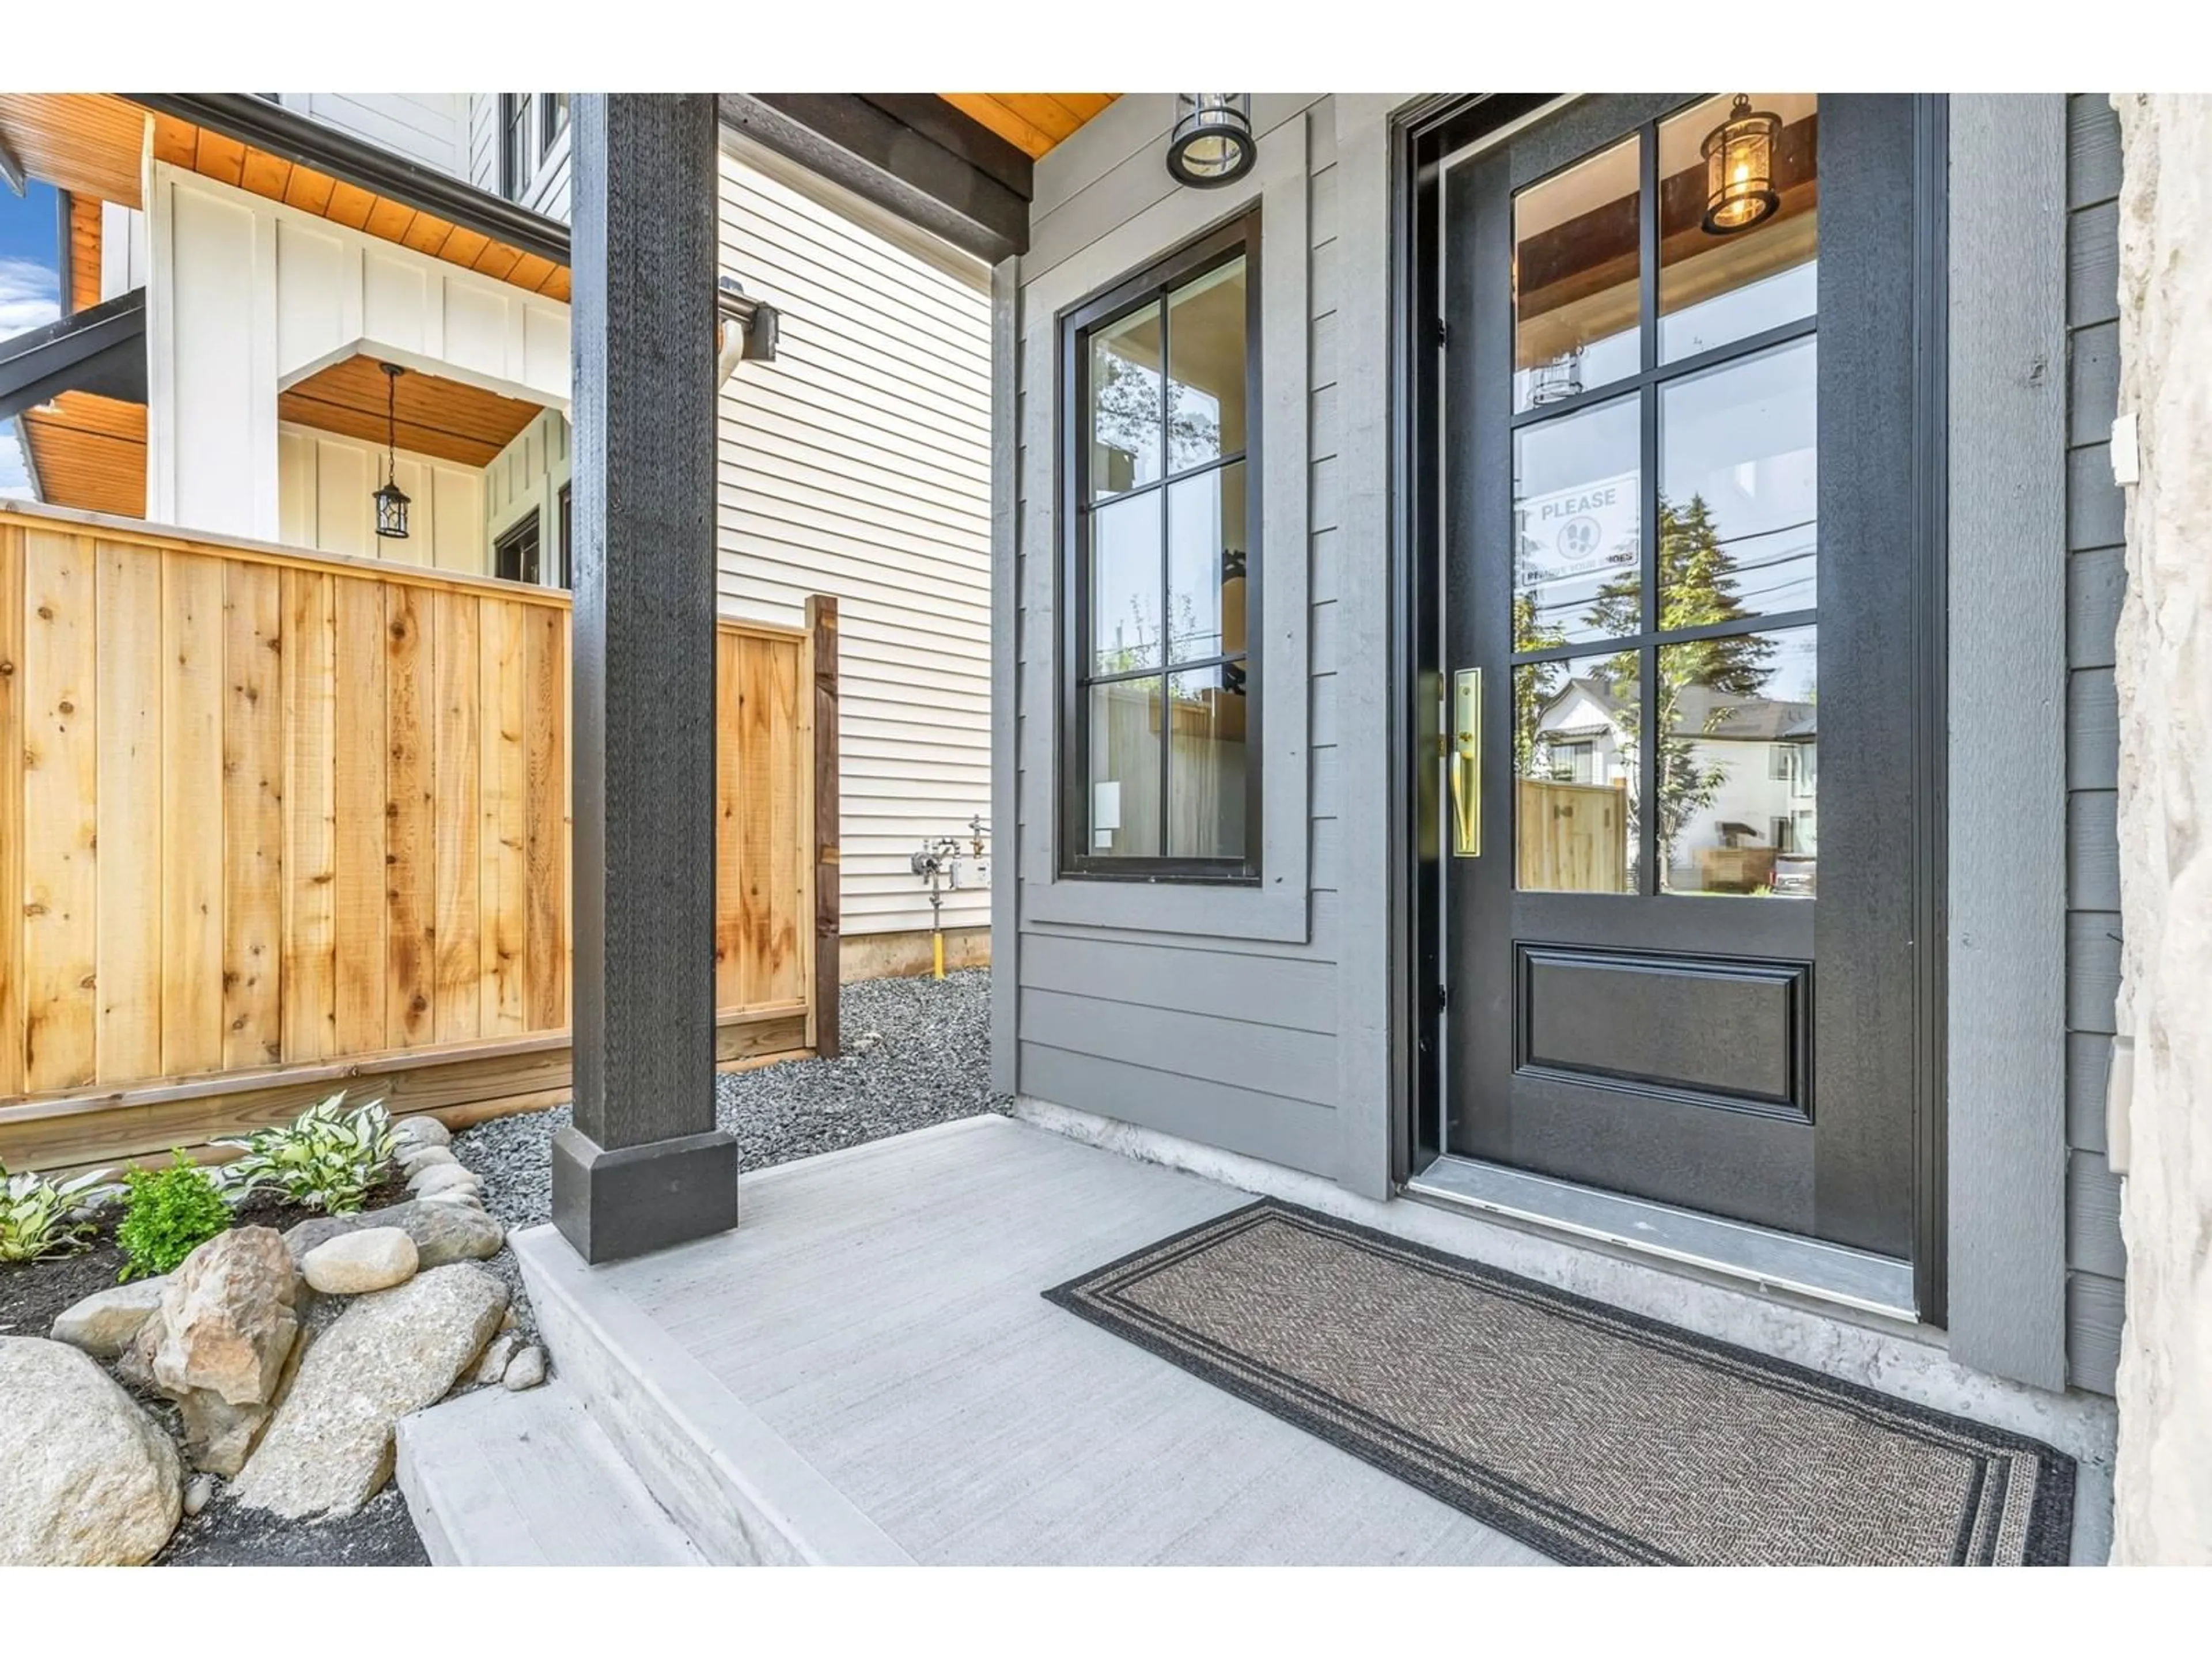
x,y
276,823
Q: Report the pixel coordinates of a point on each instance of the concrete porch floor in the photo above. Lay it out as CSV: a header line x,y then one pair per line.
x,y
865,1372
868,1373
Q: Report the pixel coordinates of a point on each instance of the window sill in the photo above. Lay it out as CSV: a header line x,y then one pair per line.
x,y
1240,910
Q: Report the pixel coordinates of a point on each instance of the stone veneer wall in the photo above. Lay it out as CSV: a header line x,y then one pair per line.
x,y
2163,1504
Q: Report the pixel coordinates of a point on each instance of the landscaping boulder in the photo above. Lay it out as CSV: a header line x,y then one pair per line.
x,y
443,1178
329,1450
86,1479
356,1263
226,1319
442,1233
421,1131
104,1323
219,1436
420,1156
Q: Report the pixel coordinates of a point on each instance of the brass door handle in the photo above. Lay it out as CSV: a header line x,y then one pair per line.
x,y
1465,761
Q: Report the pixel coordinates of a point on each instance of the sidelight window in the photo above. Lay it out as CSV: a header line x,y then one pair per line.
x,y
1665,481
1160,759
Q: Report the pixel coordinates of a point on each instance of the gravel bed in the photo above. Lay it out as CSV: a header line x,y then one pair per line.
x,y
917,1052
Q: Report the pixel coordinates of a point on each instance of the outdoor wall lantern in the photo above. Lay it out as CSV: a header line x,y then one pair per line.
x,y
392,499
1212,142
1740,168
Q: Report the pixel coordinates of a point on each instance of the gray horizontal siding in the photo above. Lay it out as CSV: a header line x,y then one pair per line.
x,y
1225,1040
2096,1261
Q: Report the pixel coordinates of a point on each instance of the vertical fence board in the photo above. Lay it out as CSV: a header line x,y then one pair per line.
x,y
12,745
411,854
252,816
127,632
503,846
60,909
729,848
308,981
545,897
821,664
357,786
191,812
777,769
456,1004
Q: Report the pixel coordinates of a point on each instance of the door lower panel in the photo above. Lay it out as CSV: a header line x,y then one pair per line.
x,y
1700,1030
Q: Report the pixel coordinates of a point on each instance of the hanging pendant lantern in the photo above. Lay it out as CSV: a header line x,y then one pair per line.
x,y
1212,142
1739,169
392,499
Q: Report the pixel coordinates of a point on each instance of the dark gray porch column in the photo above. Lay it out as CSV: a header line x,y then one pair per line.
x,y
644,1166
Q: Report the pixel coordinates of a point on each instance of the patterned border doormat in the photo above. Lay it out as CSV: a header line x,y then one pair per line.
x,y
1590,1434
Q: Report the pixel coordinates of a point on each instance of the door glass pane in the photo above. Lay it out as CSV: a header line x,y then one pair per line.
x,y
1205,564
1739,486
1125,586
1206,762
1574,739
1577,246
1124,403
1739,764
1577,514
1125,768
1720,285
1205,369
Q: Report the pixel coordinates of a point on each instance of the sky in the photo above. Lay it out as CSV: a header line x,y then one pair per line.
x,y
30,295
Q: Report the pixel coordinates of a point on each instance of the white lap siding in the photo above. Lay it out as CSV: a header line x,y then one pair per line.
x,y
858,464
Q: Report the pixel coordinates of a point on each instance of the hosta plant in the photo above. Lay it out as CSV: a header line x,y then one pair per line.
x,y
328,1158
168,1214
41,1218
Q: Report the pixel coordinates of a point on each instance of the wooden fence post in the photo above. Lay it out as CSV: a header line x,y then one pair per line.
x,y
822,652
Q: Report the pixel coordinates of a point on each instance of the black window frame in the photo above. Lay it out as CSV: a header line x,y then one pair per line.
x,y
515,161
525,535
567,542
552,120
1223,245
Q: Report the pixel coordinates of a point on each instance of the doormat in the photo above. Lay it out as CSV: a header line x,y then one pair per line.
x,y
1590,1434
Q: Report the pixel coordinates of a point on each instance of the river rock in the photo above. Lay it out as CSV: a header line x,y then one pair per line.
x,y
198,1491
443,1178
442,1233
86,1479
330,1448
356,1263
526,1370
420,1155
421,1131
219,1436
226,1321
104,1323
496,1358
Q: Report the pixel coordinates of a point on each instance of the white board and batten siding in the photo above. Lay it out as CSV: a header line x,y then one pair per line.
x,y
856,464
326,484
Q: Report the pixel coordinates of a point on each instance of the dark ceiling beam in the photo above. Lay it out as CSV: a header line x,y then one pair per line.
x,y
909,154
101,349
308,142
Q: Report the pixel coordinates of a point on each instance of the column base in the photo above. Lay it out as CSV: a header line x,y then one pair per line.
x,y
612,1204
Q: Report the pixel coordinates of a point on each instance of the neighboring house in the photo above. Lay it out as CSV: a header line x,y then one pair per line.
x,y
269,261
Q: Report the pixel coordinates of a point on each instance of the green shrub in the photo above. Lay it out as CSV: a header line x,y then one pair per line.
x,y
327,1158
167,1215
39,1219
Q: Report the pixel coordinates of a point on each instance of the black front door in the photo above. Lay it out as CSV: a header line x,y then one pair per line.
x,y
1683,468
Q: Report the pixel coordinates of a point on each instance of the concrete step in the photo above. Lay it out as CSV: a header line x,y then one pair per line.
x,y
733,1487
528,1480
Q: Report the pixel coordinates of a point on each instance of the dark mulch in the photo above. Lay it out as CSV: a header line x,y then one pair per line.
x,y
224,1535
32,1293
